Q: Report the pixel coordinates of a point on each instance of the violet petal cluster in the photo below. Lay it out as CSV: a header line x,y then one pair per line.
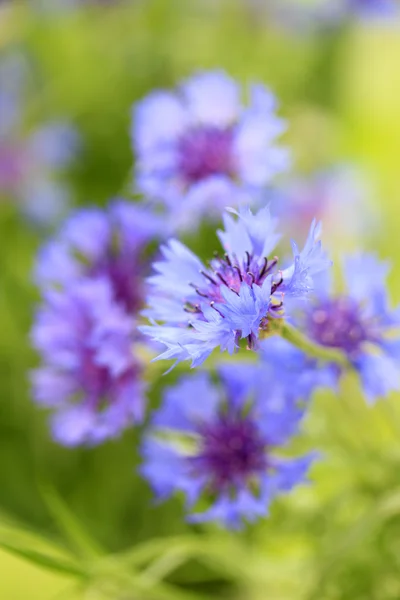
x,y
359,323
92,279
201,148
107,243
235,296
224,452
90,378
30,163
341,197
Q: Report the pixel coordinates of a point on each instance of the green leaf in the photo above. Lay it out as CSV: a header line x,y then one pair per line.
x,y
70,526
42,560
38,549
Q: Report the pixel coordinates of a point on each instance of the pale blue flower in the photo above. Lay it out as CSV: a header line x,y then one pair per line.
x,y
225,451
201,148
235,297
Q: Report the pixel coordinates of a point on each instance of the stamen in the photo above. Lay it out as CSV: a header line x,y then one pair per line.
x,y
207,276
222,279
248,261
251,275
264,268
202,294
238,272
212,304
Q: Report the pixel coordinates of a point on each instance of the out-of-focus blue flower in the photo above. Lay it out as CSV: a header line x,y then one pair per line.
x,y
340,196
91,279
317,15
283,362
201,149
102,243
233,298
373,8
360,323
59,6
31,162
224,452
90,377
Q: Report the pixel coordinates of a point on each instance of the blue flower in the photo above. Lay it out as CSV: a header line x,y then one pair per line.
x,y
102,243
200,149
90,377
360,323
224,452
373,8
235,297
341,197
290,366
31,162
298,278
325,14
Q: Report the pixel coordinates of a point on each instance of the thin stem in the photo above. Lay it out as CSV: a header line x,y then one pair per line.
x,y
295,337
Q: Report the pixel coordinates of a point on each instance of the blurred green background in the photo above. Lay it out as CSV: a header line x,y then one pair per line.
x,y
338,539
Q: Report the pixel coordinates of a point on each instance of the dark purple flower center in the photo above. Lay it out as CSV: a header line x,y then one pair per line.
x,y
339,323
94,379
97,382
231,272
232,452
126,278
205,151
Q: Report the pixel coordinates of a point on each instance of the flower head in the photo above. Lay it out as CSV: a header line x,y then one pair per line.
x,y
223,451
101,243
373,8
360,324
31,162
340,196
90,377
200,149
233,298
91,277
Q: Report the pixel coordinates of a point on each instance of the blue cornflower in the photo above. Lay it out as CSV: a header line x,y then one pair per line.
x,y
107,243
283,362
325,14
91,278
236,296
91,376
360,324
30,162
341,197
225,451
373,8
200,148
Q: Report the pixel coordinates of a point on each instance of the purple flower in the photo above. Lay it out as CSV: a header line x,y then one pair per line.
x,y
233,298
340,196
30,162
200,148
373,8
90,377
360,324
102,243
302,374
325,14
224,453
91,278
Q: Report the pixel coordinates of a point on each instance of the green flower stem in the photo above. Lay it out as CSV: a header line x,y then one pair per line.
x,y
295,337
